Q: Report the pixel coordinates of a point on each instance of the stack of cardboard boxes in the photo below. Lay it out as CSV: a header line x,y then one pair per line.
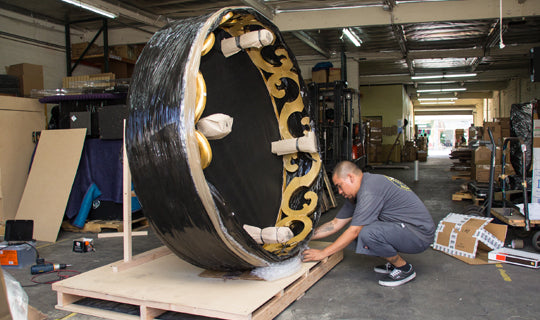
x,y
409,151
326,75
374,140
500,128
460,137
422,145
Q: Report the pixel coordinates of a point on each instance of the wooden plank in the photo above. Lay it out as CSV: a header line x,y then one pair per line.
x,y
121,234
516,219
141,259
461,177
329,191
458,196
101,313
150,313
170,284
50,180
126,196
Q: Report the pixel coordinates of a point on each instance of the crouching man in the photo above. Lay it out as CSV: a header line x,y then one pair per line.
x,y
386,218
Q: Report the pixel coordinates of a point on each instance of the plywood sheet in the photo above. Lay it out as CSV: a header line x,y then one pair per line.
x,y
19,117
169,283
49,182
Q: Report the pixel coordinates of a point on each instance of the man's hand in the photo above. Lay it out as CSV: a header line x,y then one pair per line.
x,y
313,255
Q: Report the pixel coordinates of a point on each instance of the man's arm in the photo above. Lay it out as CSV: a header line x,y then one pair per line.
x,y
329,228
343,241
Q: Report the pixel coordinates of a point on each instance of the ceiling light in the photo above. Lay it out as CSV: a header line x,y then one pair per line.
x,y
444,76
353,37
441,90
437,102
92,8
437,99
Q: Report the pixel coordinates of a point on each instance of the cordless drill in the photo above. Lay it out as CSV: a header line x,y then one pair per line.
x,y
46,267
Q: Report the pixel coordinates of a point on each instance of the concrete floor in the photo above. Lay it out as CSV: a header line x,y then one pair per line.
x,y
445,288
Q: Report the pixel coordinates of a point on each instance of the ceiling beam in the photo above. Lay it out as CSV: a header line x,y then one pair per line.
x,y
305,38
261,7
523,49
410,12
132,14
402,42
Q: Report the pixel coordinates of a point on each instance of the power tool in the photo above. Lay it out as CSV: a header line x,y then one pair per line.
x,y
46,267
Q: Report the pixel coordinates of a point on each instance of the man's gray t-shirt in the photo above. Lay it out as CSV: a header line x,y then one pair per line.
x,y
383,198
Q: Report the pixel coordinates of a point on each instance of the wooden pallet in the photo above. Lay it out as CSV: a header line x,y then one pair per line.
x,y
97,226
168,283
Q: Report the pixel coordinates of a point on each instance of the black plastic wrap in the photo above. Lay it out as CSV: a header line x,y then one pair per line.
x,y
521,125
199,212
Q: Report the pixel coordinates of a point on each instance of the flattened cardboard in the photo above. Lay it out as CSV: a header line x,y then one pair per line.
x,y
50,180
469,238
19,117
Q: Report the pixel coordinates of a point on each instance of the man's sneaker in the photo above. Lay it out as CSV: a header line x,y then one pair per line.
x,y
398,277
384,268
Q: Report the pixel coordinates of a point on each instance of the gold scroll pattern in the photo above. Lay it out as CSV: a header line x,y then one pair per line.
x,y
288,217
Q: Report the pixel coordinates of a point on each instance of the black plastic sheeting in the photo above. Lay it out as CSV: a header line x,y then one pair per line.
x,y
244,177
521,125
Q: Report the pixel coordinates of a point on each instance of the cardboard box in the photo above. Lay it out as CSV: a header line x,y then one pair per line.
x,y
496,131
319,76
480,172
482,155
125,52
517,257
469,238
375,123
334,74
30,76
77,50
421,156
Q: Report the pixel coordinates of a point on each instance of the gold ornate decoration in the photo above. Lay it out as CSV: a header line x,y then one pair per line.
x,y
237,25
205,150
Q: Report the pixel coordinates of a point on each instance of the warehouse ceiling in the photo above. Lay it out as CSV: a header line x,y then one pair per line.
x,y
399,38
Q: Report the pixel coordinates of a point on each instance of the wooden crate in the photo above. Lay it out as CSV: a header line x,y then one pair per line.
x,y
168,283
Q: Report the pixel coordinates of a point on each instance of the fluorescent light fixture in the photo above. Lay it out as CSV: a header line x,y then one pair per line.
x,y
444,76
437,99
441,90
92,8
437,102
353,37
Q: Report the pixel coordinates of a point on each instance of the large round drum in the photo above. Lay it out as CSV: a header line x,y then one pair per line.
x,y
198,192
